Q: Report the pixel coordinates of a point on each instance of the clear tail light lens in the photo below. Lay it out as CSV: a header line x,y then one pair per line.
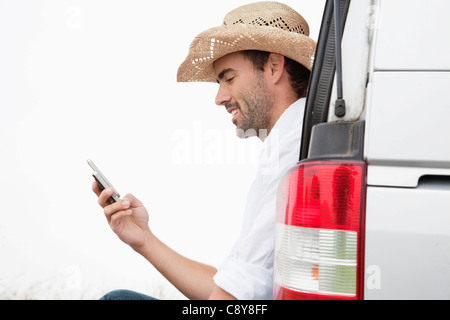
x,y
319,233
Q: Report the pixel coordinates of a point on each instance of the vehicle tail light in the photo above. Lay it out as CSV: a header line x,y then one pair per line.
x,y
319,249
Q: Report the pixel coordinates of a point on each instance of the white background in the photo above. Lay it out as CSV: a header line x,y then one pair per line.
x,y
97,79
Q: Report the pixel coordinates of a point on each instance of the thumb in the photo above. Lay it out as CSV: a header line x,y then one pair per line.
x,y
134,202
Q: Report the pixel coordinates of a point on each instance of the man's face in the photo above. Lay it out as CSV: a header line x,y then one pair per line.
x,y
244,93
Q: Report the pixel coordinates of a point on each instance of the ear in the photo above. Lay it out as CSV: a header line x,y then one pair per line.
x,y
275,64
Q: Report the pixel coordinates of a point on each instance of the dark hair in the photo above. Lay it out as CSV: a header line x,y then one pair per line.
x,y
298,74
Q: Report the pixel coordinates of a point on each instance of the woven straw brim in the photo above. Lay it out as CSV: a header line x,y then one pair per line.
x,y
217,42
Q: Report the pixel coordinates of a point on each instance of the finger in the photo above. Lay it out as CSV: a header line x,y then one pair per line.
x,y
96,188
134,202
104,197
116,207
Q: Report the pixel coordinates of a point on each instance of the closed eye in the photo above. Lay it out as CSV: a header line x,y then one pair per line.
x,y
229,80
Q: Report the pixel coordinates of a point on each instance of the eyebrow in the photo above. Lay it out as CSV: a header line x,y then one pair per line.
x,y
223,73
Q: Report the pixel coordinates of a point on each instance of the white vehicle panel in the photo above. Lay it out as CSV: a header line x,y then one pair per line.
x,y
413,35
408,152
407,127
408,243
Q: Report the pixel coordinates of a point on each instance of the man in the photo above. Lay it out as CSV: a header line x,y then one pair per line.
x,y
261,58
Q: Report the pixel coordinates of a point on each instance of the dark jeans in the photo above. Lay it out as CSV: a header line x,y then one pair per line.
x,y
126,295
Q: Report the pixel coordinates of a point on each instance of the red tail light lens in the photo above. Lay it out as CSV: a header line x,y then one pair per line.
x,y
319,232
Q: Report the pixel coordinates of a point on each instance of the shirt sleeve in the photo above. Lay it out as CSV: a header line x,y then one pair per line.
x,y
246,282
247,273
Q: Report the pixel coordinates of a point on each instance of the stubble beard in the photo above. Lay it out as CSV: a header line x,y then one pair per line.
x,y
256,119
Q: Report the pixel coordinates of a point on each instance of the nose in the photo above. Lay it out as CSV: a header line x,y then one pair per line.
x,y
223,96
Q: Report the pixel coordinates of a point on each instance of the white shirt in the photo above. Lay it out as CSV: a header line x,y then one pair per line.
x,y
247,273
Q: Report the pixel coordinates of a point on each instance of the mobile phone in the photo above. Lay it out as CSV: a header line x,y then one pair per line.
x,y
102,181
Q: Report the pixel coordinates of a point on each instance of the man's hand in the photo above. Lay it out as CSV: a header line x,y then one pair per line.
x,y
127,218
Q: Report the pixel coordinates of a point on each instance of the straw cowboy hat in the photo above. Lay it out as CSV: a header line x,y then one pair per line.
x,y
265,26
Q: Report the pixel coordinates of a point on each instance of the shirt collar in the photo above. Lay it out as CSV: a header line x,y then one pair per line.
x,y
285,132
291,116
